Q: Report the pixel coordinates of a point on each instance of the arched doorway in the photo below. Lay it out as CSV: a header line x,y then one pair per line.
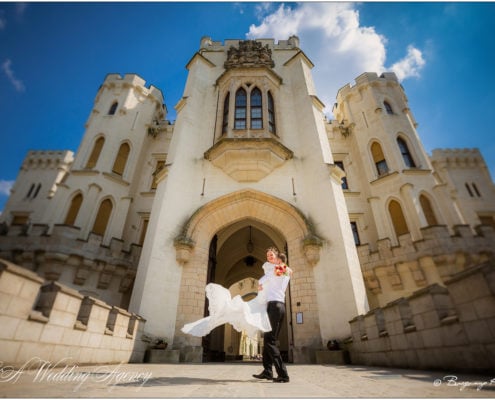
x,y
237,253
229,218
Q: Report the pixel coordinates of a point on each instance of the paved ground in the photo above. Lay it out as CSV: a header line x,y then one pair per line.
x,y
223,380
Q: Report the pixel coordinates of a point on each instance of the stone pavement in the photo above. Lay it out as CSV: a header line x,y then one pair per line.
x,y
234,380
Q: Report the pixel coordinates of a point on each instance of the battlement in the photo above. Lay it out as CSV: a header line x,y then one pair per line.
x,y
133,81
457,158
208,44
395,271
437,327
50,322
367,78
48,159
62,255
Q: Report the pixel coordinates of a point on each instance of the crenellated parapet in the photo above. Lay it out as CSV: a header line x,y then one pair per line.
x,y
44,321
59,254
457,158
46,160
437,327
131,81
394,271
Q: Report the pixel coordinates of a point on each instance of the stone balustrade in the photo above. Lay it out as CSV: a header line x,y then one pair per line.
x,y
449,327
49,321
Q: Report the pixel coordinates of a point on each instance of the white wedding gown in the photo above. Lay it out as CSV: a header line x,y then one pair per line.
x,y
250,316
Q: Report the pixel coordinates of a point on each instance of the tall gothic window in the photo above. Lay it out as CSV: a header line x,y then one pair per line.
x,y
95,153
398,219
379,159
121,159
406,154
225,120
102,217
388,107
74,208
240,109
431,219
256,109
113,108
271,114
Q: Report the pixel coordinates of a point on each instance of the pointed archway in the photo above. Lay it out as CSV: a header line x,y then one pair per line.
x,y
229,216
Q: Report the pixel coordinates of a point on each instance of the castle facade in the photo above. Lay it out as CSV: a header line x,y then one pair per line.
x,y
145,213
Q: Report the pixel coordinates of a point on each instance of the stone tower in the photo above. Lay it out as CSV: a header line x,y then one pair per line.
x,y
249,154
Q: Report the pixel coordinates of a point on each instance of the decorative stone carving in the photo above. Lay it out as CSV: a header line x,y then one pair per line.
x,y
249,54
248,160
311,248
183,249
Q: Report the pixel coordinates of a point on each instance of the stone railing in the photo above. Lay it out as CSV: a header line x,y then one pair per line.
x,y
437,327
398,271
44,320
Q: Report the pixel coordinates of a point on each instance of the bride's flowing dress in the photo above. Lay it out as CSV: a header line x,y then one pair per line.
x,y
250,316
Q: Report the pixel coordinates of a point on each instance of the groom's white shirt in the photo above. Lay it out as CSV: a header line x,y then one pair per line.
x,y
273,286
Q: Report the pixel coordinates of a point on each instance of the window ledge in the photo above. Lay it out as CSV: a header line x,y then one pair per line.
x,y
416,171
381,178
116,178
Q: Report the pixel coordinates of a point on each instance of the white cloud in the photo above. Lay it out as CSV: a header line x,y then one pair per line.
x,y
5,187
332,37
7,69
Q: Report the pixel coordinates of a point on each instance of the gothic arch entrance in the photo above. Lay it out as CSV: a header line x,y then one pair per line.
x,y
213,247
237,253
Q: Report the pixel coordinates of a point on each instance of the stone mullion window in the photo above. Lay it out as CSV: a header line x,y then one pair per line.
x,y
241,107
256,109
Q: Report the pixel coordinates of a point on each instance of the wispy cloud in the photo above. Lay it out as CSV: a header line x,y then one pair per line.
x,y
3,20
338,45
7,69
5,187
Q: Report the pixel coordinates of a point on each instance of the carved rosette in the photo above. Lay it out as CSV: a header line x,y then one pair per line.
x,y
250,53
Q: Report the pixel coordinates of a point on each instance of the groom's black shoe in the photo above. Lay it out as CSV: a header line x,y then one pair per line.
x,y
264,375
281,379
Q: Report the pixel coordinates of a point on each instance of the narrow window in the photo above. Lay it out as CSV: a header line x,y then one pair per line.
x,y
355,233
469,189
398,219
388,107
144,228
406,155
121,159
95,153
240,109
113,108
340,164
159,166
102,217
37,190
476,189
225,121
30,190
74,208
379,159
271,114
431,219
256,109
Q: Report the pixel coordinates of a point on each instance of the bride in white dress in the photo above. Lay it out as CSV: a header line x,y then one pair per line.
x,y
250,316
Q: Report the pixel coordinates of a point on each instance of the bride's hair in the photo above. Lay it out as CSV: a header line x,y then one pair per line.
x,y
282,257
274,249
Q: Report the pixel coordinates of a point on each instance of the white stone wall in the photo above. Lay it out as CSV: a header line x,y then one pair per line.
x,y
42,323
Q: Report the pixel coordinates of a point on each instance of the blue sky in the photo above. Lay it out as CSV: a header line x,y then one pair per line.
x,y
54,56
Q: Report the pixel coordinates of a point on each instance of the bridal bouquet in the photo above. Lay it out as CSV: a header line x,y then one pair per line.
x,y
281,270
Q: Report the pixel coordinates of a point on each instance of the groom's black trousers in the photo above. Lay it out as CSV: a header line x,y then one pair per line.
x,y
271,352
